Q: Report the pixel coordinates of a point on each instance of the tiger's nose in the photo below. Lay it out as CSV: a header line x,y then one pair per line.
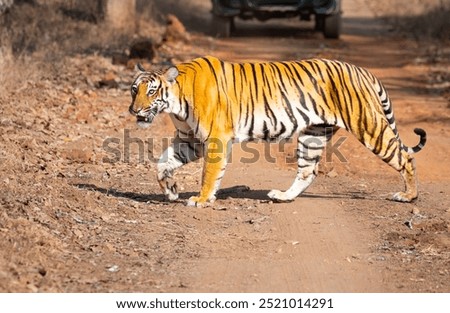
x,y
132,111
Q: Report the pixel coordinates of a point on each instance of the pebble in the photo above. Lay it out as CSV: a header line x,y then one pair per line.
x,y
332,174
113,269
220,208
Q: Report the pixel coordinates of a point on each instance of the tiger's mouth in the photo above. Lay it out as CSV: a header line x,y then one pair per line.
x,y
144,119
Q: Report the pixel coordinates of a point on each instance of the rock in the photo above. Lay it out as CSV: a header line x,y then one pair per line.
x,y
142,49
332,174
257,220
409,224
113,269
175,30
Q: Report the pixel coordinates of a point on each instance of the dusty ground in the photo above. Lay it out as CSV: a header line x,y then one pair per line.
x,y
81,210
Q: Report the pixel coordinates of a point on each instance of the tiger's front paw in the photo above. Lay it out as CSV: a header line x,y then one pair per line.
x,y
404,197
169,187
200,201
170,195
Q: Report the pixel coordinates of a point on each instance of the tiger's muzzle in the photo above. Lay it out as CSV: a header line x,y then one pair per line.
x,y
144,117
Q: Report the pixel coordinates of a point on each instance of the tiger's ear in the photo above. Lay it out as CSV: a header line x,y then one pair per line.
x,y
171,74
140,67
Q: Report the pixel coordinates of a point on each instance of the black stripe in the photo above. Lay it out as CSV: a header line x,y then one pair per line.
x,y
314,105
265,131
213,71
311,77
316,67
388,110
239,99
266,86
282,130
365,92
288,105
297,74
348,85
269,111
304,116
245,88
251,110
222,65
186,108
233,72
300,87
310,147
379,141
255,79
343,91
334,96
313,159
252,122
297,81
197,127
388,158
359,103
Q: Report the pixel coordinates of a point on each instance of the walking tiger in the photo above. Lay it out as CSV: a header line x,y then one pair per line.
x,y
213,103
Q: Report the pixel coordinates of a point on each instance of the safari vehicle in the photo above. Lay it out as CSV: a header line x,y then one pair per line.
x,y
327,13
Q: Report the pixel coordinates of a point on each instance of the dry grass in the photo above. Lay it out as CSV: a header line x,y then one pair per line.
x,y
422,19
37,37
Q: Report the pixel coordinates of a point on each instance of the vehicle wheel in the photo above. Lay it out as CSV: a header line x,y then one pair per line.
x,y
222,26
320,20
332,26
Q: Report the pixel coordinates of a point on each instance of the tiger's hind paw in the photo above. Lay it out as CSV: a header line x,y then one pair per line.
x,y
403,197
279,196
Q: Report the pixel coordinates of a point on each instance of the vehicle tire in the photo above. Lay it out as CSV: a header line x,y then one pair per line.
x,y
332,26
319,21
222,26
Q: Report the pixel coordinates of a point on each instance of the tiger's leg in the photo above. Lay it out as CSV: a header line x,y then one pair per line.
x,y
408,172
181,152
389,148
216,154
383,142
309,150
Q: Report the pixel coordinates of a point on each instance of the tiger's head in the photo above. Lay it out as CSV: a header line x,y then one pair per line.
x,y
150,94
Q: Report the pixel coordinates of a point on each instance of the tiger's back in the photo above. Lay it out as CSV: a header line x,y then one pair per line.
x,y
273,100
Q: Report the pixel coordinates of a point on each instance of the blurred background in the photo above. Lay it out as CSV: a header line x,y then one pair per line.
x,y
55,28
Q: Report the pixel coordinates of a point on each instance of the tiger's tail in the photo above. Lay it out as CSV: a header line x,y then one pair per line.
x,y
389,113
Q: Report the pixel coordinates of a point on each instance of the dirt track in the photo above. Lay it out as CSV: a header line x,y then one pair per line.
x,y
72,222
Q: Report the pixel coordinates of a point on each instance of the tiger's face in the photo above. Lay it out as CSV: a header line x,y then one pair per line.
x,y
150,95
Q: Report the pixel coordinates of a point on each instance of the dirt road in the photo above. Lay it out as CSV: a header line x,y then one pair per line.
x,y
71,221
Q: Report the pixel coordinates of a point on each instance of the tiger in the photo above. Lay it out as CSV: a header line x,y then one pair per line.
x,y
213,103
